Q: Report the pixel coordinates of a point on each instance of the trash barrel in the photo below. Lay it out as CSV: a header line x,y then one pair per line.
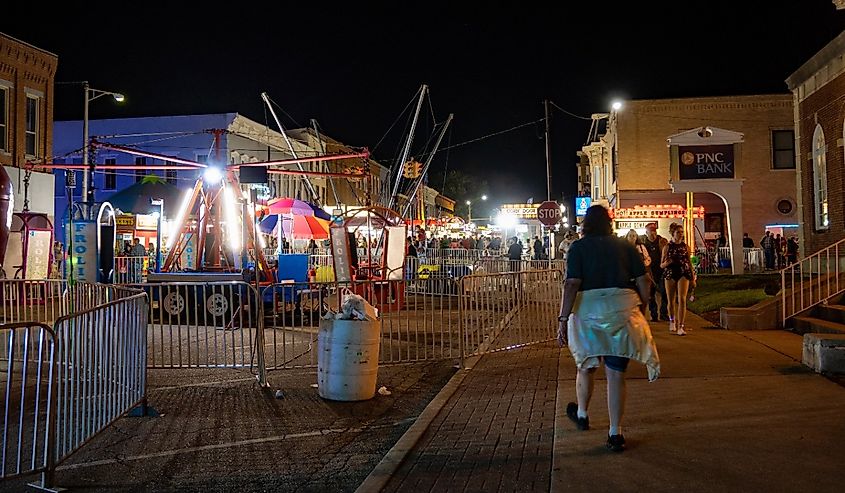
x,y
347,359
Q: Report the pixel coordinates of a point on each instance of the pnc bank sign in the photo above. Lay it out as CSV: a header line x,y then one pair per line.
x,y
702,162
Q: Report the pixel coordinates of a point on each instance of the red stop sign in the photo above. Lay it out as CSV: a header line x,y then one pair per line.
x,y
548,213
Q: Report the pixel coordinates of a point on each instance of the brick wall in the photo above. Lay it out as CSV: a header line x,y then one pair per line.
x,y
824,107
26,67
643,127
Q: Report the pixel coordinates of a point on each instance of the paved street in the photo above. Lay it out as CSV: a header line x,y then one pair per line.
x,y
732,411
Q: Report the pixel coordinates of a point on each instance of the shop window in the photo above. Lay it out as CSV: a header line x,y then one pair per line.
x,y
4,117
140,173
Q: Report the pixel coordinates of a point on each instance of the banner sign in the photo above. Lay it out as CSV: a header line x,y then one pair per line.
x,y
187,259
665,211
523,211
705,162
37,254
125,223
581,206
84,254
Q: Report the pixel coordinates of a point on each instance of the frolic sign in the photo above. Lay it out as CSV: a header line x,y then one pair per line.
x,y
84,251
703,162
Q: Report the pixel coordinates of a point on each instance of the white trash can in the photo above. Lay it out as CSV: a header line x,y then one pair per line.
x,y
347,359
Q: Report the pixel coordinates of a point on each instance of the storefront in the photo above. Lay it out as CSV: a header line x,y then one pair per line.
x,y
638,216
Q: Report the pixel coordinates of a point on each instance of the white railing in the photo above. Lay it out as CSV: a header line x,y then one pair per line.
x,y
132,270
813,280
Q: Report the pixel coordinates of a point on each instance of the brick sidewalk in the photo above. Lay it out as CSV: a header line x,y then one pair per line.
x,y
495,433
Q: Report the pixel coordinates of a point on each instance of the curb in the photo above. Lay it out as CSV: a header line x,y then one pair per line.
x,y
560,419
384,470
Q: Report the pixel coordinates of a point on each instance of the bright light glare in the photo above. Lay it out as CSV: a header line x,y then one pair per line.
x,y
483,197
119,97
617,105
180,219
233,229
213,175
506,220
155,215
469,202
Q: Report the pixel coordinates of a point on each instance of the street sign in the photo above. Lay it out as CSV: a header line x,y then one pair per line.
x,y
549,213
581,206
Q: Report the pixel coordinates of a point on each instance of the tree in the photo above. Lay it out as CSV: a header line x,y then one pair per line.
x,y
461,187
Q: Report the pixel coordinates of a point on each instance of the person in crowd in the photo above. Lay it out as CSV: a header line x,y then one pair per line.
x,y
721,241
412,248
563,248
601,319
495,245
515,253
537,248
678,276
634,239
791,250
654,244
746,241
767,243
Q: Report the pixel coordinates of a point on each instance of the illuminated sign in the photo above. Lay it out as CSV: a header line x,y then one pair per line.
x,y
581,206
704,162
523,211
125,223
667,211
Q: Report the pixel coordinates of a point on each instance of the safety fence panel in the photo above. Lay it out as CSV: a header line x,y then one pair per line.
x,y
500,265
501,311
203,324
418,318
29,400
132,270
47,300
101,363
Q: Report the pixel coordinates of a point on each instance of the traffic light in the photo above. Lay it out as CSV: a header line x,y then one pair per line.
x,y
412,169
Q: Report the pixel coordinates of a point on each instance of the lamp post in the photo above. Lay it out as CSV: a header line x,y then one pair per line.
x,y
88,178
160,214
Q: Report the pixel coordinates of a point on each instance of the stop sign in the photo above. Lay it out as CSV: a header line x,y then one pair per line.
x,y
548,213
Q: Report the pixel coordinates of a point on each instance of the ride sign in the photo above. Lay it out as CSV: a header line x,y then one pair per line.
x,y
549,213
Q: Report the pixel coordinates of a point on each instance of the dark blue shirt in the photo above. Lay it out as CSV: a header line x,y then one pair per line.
x,y
604,262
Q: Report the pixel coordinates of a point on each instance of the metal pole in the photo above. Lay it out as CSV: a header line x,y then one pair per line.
x,y
428,161
85,163
158,235
548,155
394,196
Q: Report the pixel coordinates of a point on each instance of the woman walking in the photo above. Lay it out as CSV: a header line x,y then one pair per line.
x,y
634,239
678,275
601,319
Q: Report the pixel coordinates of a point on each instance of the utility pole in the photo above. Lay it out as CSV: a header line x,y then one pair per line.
x,y
548,155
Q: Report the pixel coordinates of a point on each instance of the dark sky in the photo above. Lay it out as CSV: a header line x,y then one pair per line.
x,y
355,69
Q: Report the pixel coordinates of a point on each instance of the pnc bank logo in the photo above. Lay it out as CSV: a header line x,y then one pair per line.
x,y
707,162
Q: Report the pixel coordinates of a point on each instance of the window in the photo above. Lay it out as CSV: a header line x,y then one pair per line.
x,y
820,179
202,158
140,173
4,117
31,126
783,149
171,176
111,175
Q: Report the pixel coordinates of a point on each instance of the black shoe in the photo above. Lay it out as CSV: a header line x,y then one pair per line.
x,y
664,318
616,443
654,319
582,424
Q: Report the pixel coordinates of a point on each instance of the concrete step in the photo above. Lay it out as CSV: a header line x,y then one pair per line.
x,y
824,353
809,325
833,313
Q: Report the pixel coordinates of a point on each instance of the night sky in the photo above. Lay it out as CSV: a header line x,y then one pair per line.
x,y
355,69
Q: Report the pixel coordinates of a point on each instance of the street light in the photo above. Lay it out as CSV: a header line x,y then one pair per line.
x,y
159,218
88,178
469,205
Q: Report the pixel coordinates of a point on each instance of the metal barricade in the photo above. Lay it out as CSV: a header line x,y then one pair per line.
x,y
203,324
101,370
502,311
131,270
418,319
46,300
29,400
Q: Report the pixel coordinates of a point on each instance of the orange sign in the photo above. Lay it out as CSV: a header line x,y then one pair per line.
x,y
665,211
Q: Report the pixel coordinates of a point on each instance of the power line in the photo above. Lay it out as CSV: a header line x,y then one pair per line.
x,y
494,134
569,112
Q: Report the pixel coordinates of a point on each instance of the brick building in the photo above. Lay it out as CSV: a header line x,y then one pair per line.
x,y
818,89
631,165
27,77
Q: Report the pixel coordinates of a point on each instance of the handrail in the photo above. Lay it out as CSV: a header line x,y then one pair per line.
x,y
819,278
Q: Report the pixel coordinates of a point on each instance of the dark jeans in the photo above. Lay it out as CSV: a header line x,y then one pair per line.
x,y
658,287
770,258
